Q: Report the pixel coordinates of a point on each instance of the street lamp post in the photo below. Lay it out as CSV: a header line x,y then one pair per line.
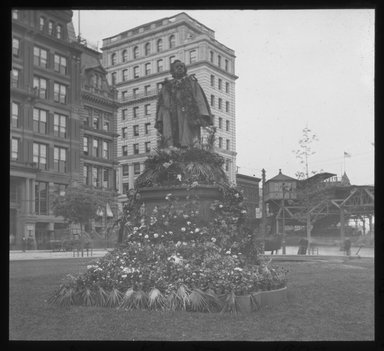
x,y
283,207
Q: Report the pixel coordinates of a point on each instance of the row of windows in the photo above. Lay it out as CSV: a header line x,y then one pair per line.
x,y
136,149
219,84
98,119
42,195
41,87
42,120
96,147
136,169
141,50
219,103
218,61
135,130
140,70
220,124
137,94
98,177
220,143
51,27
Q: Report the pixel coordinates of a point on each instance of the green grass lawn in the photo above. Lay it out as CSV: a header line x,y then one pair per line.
x,y
326,301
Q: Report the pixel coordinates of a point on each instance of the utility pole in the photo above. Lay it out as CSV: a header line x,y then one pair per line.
x,y
263,204
283,208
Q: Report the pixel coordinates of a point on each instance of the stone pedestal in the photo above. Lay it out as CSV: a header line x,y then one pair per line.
x,y
155,196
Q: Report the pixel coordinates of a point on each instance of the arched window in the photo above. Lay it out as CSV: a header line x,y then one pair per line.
x,y
124,56
159,45
113,59
135,52
171,41
147,49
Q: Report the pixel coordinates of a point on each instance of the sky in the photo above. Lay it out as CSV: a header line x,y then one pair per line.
x,y
296,69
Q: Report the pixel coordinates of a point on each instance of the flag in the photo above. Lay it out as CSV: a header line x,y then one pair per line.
x,y
346,154
109,211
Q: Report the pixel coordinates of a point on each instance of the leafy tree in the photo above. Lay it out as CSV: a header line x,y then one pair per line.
x,y
78,205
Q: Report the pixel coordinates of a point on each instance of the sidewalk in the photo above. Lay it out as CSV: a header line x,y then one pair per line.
x,y
16,255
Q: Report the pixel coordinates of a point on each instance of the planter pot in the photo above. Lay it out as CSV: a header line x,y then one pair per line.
x,y
155,196
260,299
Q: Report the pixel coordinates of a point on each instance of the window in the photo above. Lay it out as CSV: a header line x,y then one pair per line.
x,y
106,177
50,27
227,125
171,59
124,94
124,132
124,150
40,155
125,75
227,144
105,150
59,93
135,52
124,114
136,72
212,80
15,149
59,189
147,147
114,78
59,159
125,170
220,123
213,100
96,149
219,60
226,65
227,87
227,106
135,92
220,142
192,56
42,23
159,86
147,69
159,45
136,130
15,77
135,149
40,57
15,47
220,103
171,41
147,49
227,164
160,66
15,114
147,125
146,90
135,111
125,188
124,56
146,109
41,198
220,84
113,59
60,64
59,31
106,125
96,177
136,168
39,121
85,145
211,56
96,122
59,125
87,174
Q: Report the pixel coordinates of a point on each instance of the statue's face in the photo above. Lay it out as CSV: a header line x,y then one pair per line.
x,y
178,69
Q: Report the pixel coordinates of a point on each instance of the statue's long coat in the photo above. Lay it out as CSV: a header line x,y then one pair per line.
x,y
182,108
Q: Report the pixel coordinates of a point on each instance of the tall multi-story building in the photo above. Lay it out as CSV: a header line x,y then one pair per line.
x,y
138,61
45,120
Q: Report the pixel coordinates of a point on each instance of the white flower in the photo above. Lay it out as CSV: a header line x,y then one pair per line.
x,y
146,236
170,232
155,235
237,195
179,177
213,239
238,269
234,256
183,229
188,223
228,252
221,206
178,243
124,276
243,211
197,230
194,184
166,164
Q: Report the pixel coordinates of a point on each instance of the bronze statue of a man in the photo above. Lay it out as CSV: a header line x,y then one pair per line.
x,y
182,108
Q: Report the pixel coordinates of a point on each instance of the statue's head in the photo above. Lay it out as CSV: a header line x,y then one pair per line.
x,y
178,69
